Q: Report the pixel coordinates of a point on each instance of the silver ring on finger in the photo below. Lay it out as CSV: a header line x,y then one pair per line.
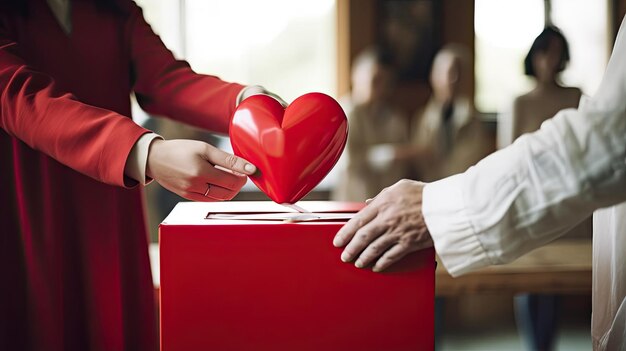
x,y
208,189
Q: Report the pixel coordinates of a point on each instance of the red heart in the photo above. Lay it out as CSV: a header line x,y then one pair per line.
x,y
293,148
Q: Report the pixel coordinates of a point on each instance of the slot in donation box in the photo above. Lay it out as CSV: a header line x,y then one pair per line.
x,y
238,276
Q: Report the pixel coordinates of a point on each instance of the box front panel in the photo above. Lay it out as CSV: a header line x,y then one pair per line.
x,y
246,286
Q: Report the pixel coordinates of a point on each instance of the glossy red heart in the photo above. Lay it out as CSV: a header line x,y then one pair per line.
x,y
293,148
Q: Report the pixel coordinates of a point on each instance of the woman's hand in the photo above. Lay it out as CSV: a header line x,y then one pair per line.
x,y
196,170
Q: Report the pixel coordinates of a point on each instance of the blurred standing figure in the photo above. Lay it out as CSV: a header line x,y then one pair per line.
x,y
547,57
447,136
549,54
376,131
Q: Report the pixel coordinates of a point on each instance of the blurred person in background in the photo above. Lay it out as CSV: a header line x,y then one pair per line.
x,y
73,253
377,128
537,315
547,58
447,135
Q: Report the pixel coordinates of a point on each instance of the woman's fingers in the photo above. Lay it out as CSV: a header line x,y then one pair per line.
x,y
228,161
223,178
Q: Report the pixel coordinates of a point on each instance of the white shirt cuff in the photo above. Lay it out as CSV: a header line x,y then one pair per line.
x,y
138,158
444,212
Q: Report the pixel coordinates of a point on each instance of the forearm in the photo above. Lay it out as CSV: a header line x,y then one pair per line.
x,y
198,100
88,139
531,192
534,190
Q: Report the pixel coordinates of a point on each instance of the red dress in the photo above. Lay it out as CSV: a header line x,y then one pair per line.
x,y
74,269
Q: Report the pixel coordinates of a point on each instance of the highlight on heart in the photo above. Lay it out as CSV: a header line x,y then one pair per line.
x,y
293,148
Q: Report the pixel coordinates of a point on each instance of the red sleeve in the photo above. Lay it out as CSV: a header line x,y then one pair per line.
x,y
169,87
90,140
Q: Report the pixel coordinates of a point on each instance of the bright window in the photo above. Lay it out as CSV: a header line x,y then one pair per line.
x,y
505,29
287,46
585,25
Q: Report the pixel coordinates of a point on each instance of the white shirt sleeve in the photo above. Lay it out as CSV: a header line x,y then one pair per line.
x,y
533,191
138,158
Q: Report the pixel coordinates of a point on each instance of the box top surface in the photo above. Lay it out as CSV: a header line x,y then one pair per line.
x,y
194,213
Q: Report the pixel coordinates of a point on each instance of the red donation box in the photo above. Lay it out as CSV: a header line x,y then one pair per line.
x,y
265,284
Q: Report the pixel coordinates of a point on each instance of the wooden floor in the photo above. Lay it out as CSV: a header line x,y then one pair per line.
x,y
569,338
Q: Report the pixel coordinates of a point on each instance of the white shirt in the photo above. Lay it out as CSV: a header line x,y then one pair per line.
x,y
533,191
